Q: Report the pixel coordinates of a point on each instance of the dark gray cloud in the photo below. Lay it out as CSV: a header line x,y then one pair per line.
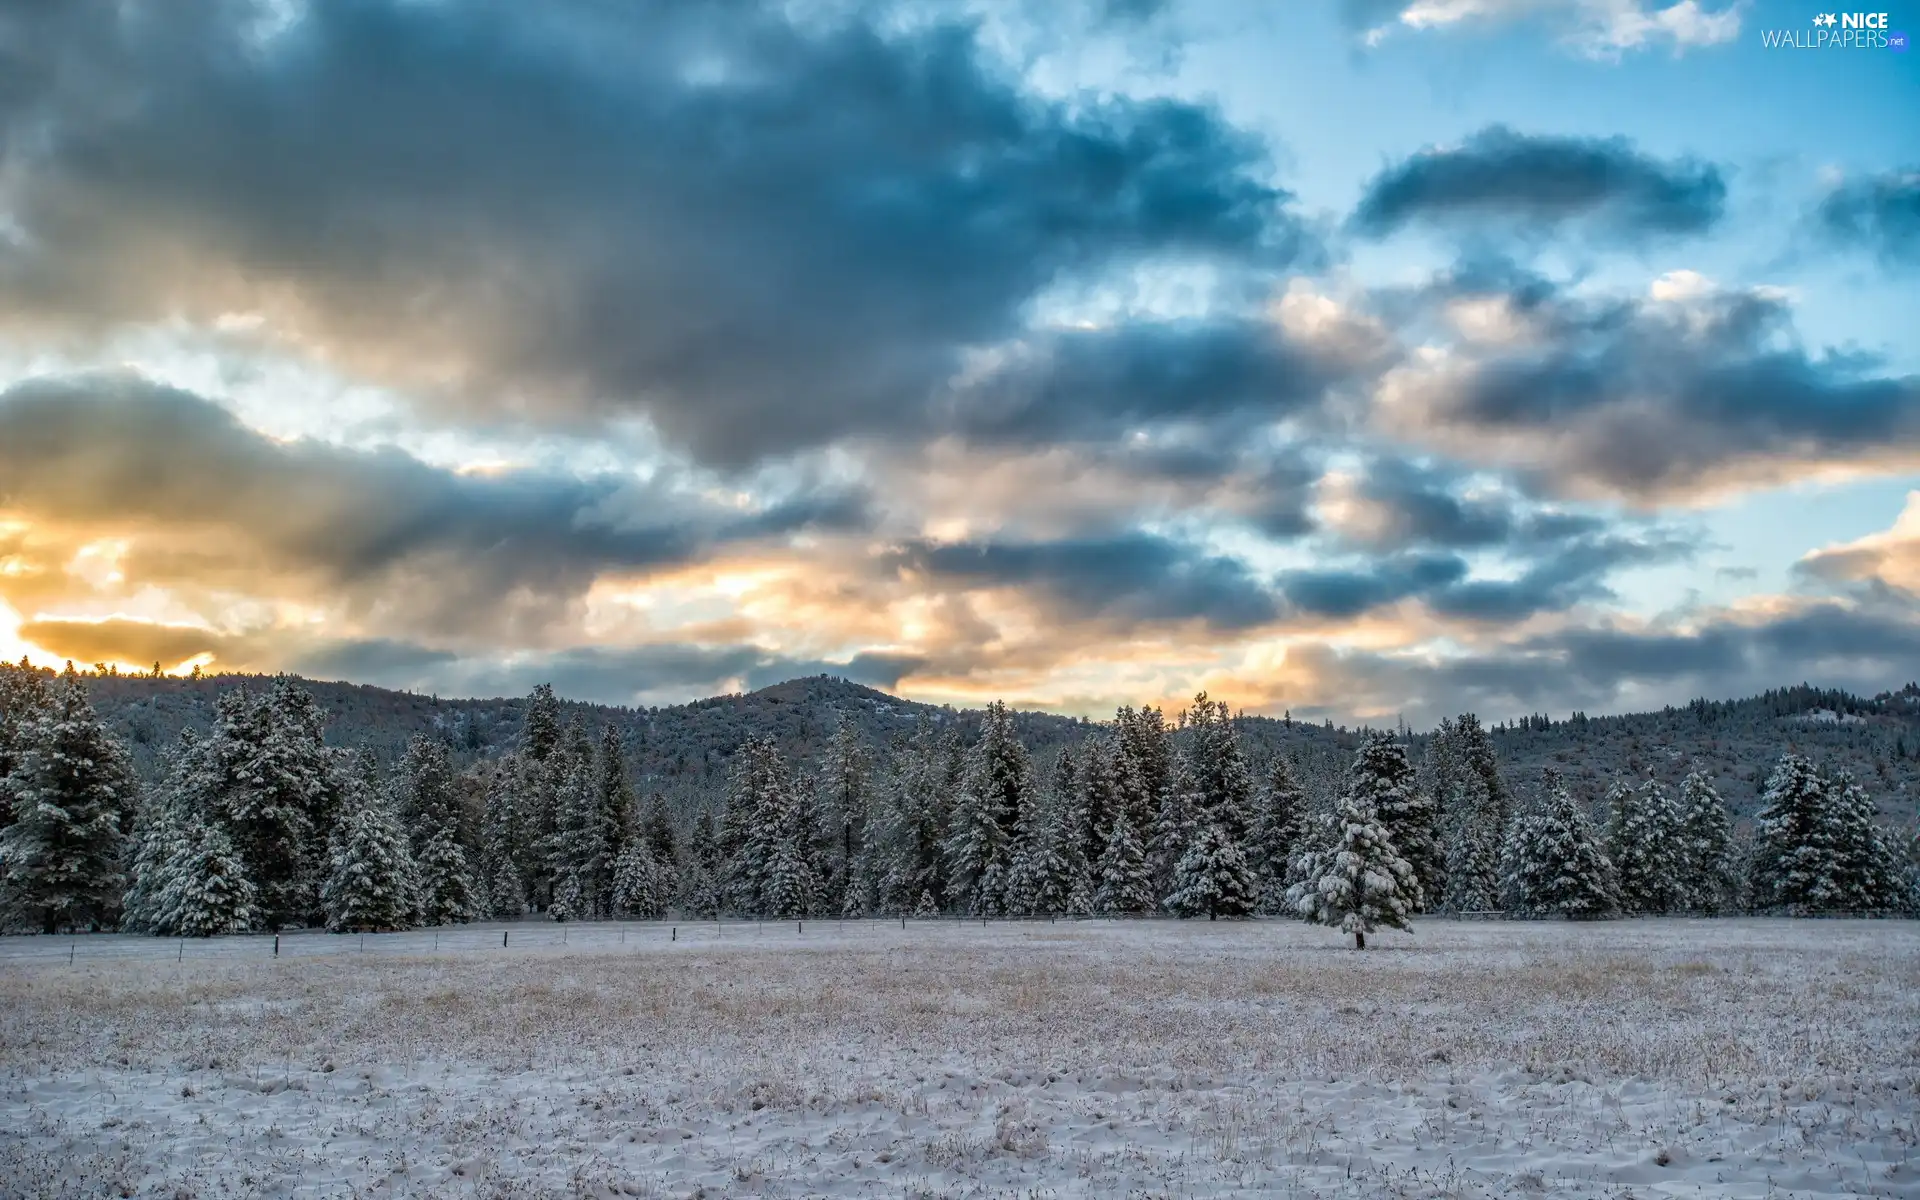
x,y
1609,669
1350,593
1543,181
762,234
117,453
1879,213
1663,397
1131,577
1409,503
1225,376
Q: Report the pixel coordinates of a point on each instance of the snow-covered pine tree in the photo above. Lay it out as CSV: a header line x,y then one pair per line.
x,y
1212,878
1473,848
1125,885
699,882
757,810
1554,864
1211,771
1644,844
1710,883
662,842
615,798
267,814
446,887
845,798
540,734
1381,768
23,696
1174,826
638,880
73,796
1278,828
1100,793
791,889
1912,872
424,785
995,790
1353,878
162,834
502,892
910,825
372,886
1867,876
1464,776
206,891
1795,862
1144,764
926,907
577,855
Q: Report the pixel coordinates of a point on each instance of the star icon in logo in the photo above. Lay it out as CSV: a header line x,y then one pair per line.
x,y
1825,19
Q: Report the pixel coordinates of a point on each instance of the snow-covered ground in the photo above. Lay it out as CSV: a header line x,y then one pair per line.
x,y
1639,1058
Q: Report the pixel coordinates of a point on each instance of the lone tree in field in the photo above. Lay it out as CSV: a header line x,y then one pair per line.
x,y
1554,862
1356,880
1382,771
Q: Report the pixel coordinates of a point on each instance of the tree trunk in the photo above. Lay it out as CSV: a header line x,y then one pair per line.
x,y
1359,940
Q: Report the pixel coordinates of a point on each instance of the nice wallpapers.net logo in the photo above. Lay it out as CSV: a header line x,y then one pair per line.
x,y
1838,31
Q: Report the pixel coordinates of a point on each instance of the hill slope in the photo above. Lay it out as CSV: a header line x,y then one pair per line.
x,y
683,749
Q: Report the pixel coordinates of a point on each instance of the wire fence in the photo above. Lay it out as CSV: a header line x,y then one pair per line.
x,y
535,934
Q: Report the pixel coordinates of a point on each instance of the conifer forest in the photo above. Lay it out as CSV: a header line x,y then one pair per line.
x,y
259,820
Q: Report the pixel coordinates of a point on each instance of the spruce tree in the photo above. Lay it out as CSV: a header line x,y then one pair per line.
x,y
372,886
502,892
1554,863
700,868
614,797
207,891
447,891
996,788
1100,793
578,852
1644,844
1356,880
424,784
1145,763
1709,883
1212,878
266,776
639,884
163,835
791,889
845,800
908,845
541,733
72,793
1279,827
1795,863
1382,770
1473,849
23,697
1125,884
662,842
1867,874
1211,771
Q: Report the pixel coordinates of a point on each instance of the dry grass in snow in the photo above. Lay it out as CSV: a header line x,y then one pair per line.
x,y
1643,1058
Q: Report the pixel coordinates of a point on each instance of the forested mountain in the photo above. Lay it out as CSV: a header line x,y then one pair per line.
x,y
683,750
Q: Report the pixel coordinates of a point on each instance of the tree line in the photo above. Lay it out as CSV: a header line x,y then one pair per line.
x,y
259,824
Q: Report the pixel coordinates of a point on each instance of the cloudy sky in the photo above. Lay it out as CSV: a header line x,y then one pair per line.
x,y
1355,357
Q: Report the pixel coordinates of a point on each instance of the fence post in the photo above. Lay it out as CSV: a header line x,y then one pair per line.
x,y
563,935
503,939
182,955
363,939
72,944
676,934
799,926
436,941
276,945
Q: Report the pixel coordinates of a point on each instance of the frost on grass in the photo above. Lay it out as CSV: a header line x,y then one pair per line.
x,y
1727,1058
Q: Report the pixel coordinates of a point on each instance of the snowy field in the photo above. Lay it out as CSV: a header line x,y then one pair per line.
x,y
1638,1058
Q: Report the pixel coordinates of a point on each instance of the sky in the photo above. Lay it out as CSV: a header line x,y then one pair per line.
x,y
1363,359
